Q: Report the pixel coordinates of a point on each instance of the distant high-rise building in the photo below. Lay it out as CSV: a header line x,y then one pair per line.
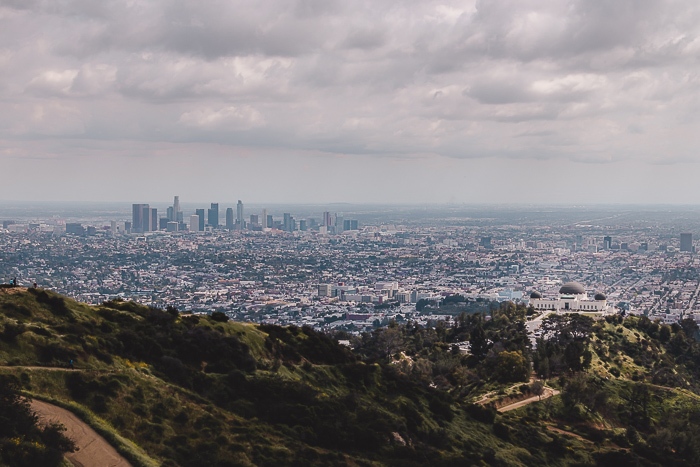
x,y
200,213
687,242
169,213
137,219
254,219
287,222
213,216
146,218
163,223
194,222
229,218
154,219
264,219
177,212
327,219
302,225
75,228
239,215
350,224
339,223
607,243
270,221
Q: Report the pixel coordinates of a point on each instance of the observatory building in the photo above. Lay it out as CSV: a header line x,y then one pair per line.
x,y
572,299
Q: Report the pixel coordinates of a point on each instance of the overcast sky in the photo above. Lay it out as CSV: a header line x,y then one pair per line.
x,y
348,101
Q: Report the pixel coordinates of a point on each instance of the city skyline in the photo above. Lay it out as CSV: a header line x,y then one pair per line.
x,y
643,263
318,102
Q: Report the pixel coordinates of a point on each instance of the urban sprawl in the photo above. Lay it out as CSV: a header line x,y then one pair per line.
x,y
359,270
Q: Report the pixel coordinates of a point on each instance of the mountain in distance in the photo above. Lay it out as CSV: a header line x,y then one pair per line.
x,y
170,389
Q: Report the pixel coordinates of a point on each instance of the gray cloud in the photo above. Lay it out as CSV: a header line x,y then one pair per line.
x,y
577,81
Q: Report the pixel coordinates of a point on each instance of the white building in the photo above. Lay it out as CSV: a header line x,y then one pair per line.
x,y
194,223
572,298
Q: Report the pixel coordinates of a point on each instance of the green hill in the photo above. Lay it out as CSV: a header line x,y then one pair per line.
x,y
170,389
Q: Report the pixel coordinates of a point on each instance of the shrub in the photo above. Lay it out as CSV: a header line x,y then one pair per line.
x,y
481,413
219,317
11,331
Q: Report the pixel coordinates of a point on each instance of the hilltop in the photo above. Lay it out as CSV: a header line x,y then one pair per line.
x,y
172,389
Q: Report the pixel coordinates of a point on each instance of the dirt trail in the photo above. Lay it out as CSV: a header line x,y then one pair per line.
x,y
12,290
568,433
93,449
44,368
491,395
548,392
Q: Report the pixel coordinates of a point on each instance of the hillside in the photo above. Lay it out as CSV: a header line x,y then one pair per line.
x,y
169,389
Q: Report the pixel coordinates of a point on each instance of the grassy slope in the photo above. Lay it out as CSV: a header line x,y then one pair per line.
x,y
293,407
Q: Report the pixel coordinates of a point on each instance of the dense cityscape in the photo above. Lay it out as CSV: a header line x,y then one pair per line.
x,y
362,268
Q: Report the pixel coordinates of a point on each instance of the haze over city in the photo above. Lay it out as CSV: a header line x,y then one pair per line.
x,y
342,233
363,102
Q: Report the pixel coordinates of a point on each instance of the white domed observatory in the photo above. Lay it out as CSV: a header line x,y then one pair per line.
x,y
572,299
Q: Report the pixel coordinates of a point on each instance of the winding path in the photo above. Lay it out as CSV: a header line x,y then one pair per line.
x,y
548,392
93,450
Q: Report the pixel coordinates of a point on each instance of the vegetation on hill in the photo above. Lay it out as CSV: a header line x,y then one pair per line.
x,y
22,441
198,390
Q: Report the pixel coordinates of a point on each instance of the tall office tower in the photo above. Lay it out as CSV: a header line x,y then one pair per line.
x,y
264,219
239,215
200,213
327,219
254,219
270,222
213,216
302,225
154,219
229,218
287,222
607,243
687,242
137,219
169,213
339,223
146,218
194,223
176,209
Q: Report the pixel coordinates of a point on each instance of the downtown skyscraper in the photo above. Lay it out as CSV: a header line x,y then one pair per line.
x,y
239,215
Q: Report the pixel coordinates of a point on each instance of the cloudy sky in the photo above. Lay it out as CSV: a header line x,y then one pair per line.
x,y
505,101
